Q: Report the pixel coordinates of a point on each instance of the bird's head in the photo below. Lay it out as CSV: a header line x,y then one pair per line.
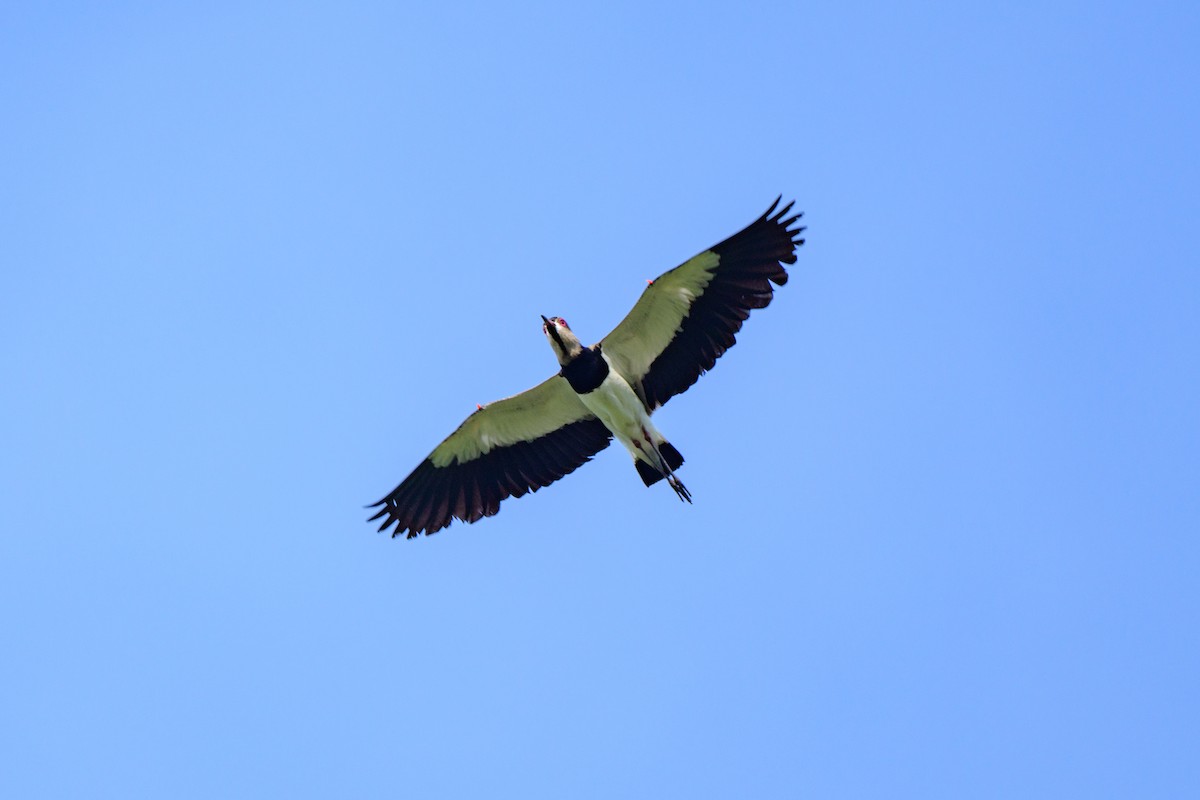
x,y
563,342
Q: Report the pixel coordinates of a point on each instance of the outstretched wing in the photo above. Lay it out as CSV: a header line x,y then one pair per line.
x,y
689,316
506,448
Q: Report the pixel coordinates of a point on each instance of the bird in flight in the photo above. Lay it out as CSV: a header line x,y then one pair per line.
x,y
679,327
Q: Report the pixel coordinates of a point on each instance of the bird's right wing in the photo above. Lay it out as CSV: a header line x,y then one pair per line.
x,y
505,449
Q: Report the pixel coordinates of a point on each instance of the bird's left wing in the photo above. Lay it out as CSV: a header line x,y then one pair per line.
x,y
688,317
506,448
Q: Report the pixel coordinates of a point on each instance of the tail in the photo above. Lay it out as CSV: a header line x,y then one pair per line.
x,y
669,461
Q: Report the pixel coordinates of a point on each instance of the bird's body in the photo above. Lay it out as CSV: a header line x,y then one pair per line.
x,y
617,406
683,322
607,393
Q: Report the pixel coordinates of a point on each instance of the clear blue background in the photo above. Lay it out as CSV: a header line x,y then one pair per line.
x,y
258,259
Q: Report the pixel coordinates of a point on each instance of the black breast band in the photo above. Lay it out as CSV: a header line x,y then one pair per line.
x,y
586,371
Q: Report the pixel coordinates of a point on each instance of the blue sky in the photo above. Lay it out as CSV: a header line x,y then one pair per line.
x,y
260,258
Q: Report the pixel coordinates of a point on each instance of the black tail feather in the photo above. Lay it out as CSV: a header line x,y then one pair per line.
x,y
671,455
650,475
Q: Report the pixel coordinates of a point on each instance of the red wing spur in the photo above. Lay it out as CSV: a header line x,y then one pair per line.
x,y
677,330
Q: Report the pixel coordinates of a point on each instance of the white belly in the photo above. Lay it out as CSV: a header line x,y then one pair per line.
x,y
618,407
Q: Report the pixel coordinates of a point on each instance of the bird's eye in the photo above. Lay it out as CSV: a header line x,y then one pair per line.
x,y
563,322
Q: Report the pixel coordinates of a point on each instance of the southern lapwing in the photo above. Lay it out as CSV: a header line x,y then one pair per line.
x,y
683,322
